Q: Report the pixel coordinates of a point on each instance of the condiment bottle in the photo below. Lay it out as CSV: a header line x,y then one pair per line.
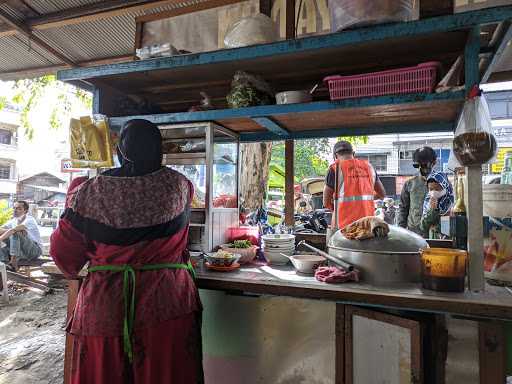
x,y
459,208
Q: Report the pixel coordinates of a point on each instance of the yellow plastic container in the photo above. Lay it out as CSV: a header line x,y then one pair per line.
x,y
443,269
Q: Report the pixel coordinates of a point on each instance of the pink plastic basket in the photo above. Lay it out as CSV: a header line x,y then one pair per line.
x,y
418,79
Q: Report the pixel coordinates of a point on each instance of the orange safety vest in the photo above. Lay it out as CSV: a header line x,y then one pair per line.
x,y
358,191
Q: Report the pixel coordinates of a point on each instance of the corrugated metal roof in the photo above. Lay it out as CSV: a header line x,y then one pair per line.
x,y
17,53
96,39
12,12
86,41
50,6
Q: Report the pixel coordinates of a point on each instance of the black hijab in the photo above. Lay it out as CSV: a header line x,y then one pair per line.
x,y
139,149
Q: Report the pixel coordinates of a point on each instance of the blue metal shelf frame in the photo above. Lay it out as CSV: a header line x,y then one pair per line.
x,y
466,20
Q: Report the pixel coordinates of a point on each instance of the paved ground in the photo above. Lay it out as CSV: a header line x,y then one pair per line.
x,y
32,337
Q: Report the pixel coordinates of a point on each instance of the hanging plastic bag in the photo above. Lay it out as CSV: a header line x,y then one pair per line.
x,y
91,145
258,29
359,13
474,142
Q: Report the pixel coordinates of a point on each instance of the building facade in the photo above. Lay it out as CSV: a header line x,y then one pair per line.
x,y
9,151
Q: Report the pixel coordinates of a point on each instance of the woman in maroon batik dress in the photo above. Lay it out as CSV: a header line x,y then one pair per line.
x,y
137,317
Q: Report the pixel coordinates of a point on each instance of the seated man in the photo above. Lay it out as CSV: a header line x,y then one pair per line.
x,y
20,237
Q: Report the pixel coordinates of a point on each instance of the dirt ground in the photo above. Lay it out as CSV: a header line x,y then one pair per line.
x,y
32,337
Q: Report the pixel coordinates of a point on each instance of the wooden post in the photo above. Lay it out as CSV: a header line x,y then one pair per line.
x,y
73,288
290,19
475,228
474,176
492,352
289,207
340,344
266,7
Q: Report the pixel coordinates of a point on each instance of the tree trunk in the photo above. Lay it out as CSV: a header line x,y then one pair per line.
x,y
255,160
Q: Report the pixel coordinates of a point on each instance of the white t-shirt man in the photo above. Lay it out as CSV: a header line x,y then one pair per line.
x,y
30,223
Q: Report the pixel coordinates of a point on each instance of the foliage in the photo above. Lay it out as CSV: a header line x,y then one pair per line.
x,y
312,156
354,140
3,102
5,212
30,92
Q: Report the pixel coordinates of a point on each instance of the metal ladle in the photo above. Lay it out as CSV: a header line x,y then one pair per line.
x,y
344,264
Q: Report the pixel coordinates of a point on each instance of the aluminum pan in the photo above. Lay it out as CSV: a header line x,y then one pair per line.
x,y
398,241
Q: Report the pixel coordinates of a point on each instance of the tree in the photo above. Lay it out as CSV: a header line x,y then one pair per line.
x,y
255,160
29,93
5,212
312,156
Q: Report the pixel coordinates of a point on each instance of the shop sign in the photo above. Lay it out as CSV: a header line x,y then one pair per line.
x,y
66,166
497,166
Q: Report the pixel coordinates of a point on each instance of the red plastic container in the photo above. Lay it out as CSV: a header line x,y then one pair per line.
x,y
243,233
419,79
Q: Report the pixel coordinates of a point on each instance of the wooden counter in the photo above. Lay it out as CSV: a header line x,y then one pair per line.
x,y
494,303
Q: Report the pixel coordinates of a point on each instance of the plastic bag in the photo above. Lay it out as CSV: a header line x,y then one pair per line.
x,y
351,13
156,50
249,90
474,142
91,144
258,29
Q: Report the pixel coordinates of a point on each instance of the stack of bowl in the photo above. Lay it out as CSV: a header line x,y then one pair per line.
x,y
274,245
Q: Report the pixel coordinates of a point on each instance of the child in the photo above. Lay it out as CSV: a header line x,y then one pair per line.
x,y
438,202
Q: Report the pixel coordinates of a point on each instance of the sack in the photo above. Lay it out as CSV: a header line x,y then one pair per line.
x,y
258,29
474,142
91,144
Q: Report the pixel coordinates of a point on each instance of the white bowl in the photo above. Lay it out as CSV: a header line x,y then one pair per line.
x,y
277,238
307,263
276,258
270,248
293,97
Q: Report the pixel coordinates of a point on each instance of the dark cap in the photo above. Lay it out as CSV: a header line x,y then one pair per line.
x,y
424,155
342,147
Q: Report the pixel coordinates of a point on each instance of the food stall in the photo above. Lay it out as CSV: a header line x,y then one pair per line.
x,y
208,155
267,323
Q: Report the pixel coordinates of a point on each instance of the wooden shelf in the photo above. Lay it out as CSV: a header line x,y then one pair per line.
x,y
385,114
184,158
171,85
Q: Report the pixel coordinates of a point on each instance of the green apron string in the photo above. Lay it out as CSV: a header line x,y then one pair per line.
x,y
129,304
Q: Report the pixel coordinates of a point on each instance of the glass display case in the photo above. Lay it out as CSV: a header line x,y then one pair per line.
x,y
207,155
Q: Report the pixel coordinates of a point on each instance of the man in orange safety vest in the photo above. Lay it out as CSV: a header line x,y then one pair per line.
x,y
358,185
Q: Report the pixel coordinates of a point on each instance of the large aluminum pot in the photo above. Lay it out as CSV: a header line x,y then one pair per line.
x,y
382,261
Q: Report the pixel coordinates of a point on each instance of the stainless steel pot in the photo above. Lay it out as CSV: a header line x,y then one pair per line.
x,y
382,261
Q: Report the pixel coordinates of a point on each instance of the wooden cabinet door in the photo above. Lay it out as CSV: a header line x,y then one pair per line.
x,y
381,348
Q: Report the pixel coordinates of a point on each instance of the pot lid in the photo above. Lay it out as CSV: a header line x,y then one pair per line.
x,y
398,240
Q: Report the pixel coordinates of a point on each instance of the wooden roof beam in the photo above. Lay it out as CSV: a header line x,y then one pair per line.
x,y
91,12
26,31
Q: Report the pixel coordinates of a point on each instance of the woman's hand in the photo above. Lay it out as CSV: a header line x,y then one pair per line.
x,y
433,203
